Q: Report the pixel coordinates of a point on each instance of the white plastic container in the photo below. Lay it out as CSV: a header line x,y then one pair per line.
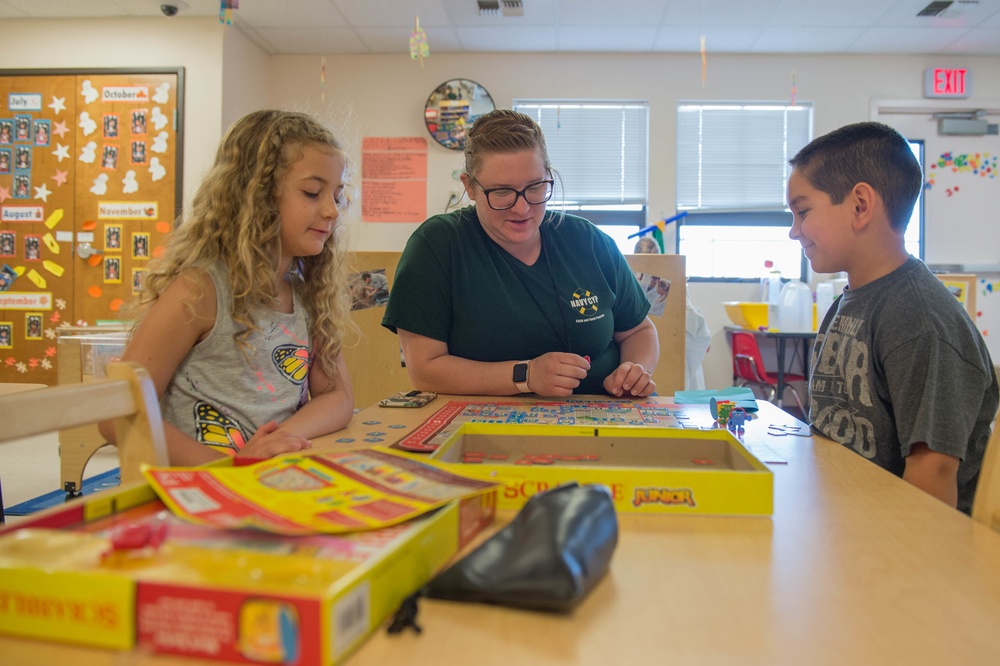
x,y
770,292
824,299
795,311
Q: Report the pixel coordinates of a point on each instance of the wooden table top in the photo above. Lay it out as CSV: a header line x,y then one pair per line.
x,y
854,567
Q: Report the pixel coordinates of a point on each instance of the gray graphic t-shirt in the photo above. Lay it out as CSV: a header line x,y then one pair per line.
x,y
898,362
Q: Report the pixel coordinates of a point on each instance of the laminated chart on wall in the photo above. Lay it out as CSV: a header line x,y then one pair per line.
x,y
36,193
88,192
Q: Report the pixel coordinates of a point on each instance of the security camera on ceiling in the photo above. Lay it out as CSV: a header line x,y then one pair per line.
x,y
171,7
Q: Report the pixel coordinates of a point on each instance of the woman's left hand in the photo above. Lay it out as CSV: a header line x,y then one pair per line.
x,y
629,379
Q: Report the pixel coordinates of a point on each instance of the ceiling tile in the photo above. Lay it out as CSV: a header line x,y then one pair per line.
x,y
979,41
903,14
313,13
720,12
599,13
393,13
507,39
906,40
313,40
718,39
855,13
815,40
632,38
397,40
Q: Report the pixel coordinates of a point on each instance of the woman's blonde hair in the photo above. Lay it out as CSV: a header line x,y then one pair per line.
x,y
234,222
503,131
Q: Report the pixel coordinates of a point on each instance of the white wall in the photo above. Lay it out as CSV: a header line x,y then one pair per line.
x,y
383,95
244,78
192,43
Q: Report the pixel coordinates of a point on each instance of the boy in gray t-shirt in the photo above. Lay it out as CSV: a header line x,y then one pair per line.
x,y
900,373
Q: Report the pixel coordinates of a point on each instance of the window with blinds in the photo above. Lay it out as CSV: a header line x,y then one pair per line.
x,y
734,157
601,151
732,177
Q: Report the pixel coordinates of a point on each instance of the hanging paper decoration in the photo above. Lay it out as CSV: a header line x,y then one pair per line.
x,y
226,8
419,48
704,63
793,87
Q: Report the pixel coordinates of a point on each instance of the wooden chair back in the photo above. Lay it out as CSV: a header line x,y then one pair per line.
x,y
670,325
374,360
986,504
127,395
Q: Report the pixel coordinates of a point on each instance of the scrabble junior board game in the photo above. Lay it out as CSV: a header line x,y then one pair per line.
x,y
654,457
436,430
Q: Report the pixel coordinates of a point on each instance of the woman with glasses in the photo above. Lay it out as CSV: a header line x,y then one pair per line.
x,y
503,297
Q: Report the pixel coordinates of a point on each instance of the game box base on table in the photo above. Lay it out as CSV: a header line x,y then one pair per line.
x,y
660,470
239,596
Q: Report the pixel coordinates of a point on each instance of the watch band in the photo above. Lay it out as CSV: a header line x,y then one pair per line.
x,y
521,376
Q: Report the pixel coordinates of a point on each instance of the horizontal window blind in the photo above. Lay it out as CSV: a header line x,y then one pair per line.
x,y
734,156
600,149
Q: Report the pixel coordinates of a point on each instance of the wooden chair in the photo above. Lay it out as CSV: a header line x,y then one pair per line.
x,y
986,504
128,396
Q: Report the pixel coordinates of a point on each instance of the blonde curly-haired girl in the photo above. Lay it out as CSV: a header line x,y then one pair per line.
x,y
242,320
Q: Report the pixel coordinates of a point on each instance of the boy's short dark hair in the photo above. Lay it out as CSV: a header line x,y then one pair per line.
x,y
868,152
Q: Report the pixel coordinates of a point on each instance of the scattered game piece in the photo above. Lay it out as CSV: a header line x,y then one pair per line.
x,y
783,430
137,536
702,461
373,439
397,425
376,434
371,422
346,439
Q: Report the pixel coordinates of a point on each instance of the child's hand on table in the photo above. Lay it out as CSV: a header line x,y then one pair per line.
x,y
269,441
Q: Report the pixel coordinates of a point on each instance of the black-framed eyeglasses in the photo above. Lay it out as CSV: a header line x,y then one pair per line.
x,y
502,198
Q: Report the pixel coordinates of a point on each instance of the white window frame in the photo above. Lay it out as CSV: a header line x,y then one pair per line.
x,y
734,173
600,151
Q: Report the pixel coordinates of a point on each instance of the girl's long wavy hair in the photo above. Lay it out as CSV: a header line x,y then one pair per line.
x,y
234,222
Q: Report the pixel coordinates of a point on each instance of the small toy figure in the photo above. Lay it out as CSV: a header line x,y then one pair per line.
x,y
737,417
721,410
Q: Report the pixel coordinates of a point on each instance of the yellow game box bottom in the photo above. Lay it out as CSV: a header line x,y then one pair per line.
x,y
648,470
237,596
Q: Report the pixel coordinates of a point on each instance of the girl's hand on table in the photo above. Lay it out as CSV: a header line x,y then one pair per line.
x,y
269,441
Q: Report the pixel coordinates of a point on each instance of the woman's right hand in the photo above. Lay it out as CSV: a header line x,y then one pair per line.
x,y
556,373
269,441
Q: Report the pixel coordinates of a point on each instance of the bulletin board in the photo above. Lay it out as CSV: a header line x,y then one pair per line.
x,y
90,184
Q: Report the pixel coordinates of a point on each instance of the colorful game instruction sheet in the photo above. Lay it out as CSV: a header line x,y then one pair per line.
x,y
328,493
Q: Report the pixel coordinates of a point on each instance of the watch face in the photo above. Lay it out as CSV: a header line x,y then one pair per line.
x,y
520,372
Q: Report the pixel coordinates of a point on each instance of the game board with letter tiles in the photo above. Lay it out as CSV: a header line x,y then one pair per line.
x,y
435,430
